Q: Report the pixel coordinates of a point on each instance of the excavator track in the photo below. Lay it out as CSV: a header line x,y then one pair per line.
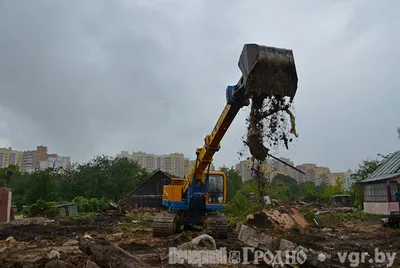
x,y
216,226
165,224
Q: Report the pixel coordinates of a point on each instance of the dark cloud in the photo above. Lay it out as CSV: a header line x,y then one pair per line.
x,y
93,77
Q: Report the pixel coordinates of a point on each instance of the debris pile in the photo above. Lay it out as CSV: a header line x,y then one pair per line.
x,y
91,242
281,218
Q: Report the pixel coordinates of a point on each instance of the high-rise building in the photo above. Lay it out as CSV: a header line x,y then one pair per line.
x,y
186,165
140,158
29,161
41,154
309,170
269,168
124,154
17,159
58,163
321,175
8,157
36,159
26,161
337,177
348,180
193,162
244,169
175,163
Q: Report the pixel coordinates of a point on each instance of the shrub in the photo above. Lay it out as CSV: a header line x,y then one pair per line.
x,y
90,204
41,208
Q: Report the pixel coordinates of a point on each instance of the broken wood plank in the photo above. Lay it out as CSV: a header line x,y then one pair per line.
x,y
106,254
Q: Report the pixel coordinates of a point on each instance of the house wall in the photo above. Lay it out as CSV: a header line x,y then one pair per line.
x,y
153,186
148,194
145,202
5,204
381,208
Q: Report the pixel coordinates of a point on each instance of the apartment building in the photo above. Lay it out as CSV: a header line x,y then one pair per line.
x,y
29,161
322,175
244,169
337,177
57,163
309,170
270,168
41,155
313,173
191,164
124,154
348,180
175,163
8,157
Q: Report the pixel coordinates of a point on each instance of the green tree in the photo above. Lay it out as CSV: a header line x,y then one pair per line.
x,y
331,190
365,169
283,187
101,178
234,182
8,174
242,205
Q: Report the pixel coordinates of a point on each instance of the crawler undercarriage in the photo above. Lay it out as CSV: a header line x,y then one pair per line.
x,y
170,222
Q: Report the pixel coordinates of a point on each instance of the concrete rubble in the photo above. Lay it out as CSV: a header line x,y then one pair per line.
x,y
254,234
261,231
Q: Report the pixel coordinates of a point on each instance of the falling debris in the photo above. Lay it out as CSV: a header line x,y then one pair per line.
x,y
267,124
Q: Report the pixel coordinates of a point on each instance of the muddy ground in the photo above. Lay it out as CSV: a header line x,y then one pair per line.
x,y
33,242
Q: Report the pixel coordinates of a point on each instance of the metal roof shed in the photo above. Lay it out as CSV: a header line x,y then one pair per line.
x,y
388,170
381,188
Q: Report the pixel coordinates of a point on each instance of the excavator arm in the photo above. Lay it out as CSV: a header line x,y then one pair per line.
x,y
212,141
266,71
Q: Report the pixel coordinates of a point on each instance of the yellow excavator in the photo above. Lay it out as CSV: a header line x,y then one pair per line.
x,y
195,200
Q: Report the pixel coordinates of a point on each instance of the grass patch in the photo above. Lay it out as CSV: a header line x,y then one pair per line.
x,y
82,215
343,216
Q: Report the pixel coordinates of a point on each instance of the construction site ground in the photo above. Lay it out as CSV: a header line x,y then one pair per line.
x,y
30,242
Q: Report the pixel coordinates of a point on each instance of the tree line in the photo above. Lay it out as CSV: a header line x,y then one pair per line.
x,y
286,189
109,179
89,185
101,178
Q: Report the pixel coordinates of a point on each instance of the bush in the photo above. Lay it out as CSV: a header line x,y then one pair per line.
x,y
241,205
41,208
90,204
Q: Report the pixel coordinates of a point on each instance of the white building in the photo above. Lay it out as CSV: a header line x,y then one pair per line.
x,y
57,163
124,154
348,181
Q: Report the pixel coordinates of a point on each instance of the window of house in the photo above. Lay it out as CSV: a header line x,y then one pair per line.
x,y
375,192
393,190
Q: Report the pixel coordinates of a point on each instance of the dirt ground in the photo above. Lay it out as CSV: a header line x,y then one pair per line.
x,y
32,242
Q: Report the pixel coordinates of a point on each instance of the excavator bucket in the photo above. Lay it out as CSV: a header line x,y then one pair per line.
x,y
268,71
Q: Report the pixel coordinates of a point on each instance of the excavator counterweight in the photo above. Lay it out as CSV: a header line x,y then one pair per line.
x,y
266,72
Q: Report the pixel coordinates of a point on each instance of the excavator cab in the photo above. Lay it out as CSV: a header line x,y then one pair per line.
x,y
216,189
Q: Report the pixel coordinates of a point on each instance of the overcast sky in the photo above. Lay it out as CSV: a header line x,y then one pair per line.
x,y
96,77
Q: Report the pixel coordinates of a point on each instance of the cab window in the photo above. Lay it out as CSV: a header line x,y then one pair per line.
x,y
215,189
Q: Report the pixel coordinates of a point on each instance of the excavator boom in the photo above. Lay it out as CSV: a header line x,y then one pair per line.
x,y
266,72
